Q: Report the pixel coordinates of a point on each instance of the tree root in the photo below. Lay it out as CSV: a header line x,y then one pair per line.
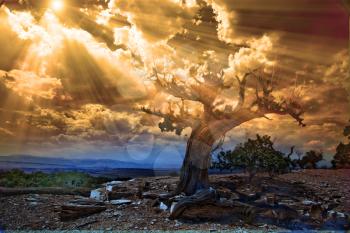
x,y
206,205
204,196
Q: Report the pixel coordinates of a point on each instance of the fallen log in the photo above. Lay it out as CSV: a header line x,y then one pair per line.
x,y
85,192
80,208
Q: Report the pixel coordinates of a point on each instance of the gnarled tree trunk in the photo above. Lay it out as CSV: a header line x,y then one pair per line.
x,y
194,171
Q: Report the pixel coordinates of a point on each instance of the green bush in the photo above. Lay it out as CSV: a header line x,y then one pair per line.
x,y
255,155
310,159
17,178
342,157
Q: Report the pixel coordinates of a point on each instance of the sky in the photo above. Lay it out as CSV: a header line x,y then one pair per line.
x,y
74,73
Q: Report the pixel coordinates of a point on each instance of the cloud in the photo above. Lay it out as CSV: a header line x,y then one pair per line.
x,y
88,70
226,18
30,85
168,16
91,122
339,71
66,88
314,143
5,133
249,59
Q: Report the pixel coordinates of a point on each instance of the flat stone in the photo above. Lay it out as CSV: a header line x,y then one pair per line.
x,y
120,202
150,195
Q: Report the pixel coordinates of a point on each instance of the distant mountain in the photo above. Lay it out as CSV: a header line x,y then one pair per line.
x,y
36,162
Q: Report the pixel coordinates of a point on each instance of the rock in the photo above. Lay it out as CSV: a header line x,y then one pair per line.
x,y
248,194
280,213
150,195
86,223
117,213
317,212
119,195
99,194
337,214
113,185
30,199
308,202
80,208
162,206
120,202
137,202
177,223
287,202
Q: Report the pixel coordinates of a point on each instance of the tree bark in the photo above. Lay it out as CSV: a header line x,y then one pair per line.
x,y
194,171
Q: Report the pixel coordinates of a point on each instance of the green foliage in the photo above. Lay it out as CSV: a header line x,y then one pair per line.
x,y
310,159
17,178
342,156
255,155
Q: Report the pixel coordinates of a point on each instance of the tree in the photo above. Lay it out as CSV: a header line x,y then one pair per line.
x,y
310,159
255,155
200,102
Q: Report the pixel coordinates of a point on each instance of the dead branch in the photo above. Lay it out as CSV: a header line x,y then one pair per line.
x,y
172,122
267,103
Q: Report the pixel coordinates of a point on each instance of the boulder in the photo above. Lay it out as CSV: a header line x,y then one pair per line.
x,y
99,194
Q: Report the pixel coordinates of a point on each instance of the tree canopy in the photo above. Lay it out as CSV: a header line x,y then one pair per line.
x,y
254,155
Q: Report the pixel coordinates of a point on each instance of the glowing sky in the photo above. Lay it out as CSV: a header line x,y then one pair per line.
x,y
72,73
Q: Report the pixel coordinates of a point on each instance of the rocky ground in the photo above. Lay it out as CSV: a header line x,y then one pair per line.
x,y
308,199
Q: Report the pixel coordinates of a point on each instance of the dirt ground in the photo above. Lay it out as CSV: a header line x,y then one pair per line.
x,y
326,183
38,212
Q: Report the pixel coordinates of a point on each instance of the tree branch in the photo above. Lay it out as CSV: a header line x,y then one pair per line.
x,y
173,87
172,122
